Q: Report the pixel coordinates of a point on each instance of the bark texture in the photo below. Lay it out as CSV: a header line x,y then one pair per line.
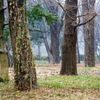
x,y
68,66
89,55
3,52
24,67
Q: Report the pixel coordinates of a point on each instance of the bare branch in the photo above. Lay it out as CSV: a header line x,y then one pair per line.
x,y
3,9
38,30
86,21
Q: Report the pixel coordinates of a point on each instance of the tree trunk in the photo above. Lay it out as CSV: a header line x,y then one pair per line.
x,y
55,43
24,67
69,66
50,57
3,52
39,53
89,55
8,50
54,35
78,53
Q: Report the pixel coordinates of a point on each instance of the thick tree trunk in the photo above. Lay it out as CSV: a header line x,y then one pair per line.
x,y
69,66
24,67
89,55
3,52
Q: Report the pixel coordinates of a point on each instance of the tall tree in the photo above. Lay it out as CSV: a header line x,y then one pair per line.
x,y
89,55
68,66
3,52
24,67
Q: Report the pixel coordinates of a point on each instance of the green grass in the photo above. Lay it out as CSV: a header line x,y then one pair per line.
x,y
81,81
40,62
89,69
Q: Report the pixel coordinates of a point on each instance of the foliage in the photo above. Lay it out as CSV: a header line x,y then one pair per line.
x,y
36,38
6,34
1,80
36,13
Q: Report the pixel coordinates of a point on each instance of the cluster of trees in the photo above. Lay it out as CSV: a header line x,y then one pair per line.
x,y
23,60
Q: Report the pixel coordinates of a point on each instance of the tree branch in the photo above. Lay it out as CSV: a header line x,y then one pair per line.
x,y
38,30
86,21
3,9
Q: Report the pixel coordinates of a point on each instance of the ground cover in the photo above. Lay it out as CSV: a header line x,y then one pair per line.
x,y
52,86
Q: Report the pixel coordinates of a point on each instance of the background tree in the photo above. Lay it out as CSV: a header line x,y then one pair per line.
x,y
3,52
55,29
37,39
36,13
89,55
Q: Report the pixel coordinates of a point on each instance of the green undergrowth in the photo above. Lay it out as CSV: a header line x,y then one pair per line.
x,y
81,81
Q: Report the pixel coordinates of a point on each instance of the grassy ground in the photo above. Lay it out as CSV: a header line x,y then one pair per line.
x,y
56,87
81,81
40,62
82,87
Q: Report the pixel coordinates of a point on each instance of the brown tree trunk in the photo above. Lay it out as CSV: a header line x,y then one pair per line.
x,y
3,52
69,66
89,55
24,67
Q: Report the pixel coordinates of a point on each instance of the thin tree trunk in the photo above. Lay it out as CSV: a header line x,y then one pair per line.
x,y
89,55
54,35
78,53
24,67
50,57
39,53
3,52
8,50
55,43
69,60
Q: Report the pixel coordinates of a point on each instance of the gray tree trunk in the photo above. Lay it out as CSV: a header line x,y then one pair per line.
x,y
89,55
3,52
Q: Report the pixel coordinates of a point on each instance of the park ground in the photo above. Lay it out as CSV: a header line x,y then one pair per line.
x,y
52,86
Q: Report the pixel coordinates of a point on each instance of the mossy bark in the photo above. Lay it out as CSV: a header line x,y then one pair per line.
x,y
3,52
69,62
24,67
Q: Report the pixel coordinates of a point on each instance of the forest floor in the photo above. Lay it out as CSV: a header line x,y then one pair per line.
x,y
52,86
54,69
